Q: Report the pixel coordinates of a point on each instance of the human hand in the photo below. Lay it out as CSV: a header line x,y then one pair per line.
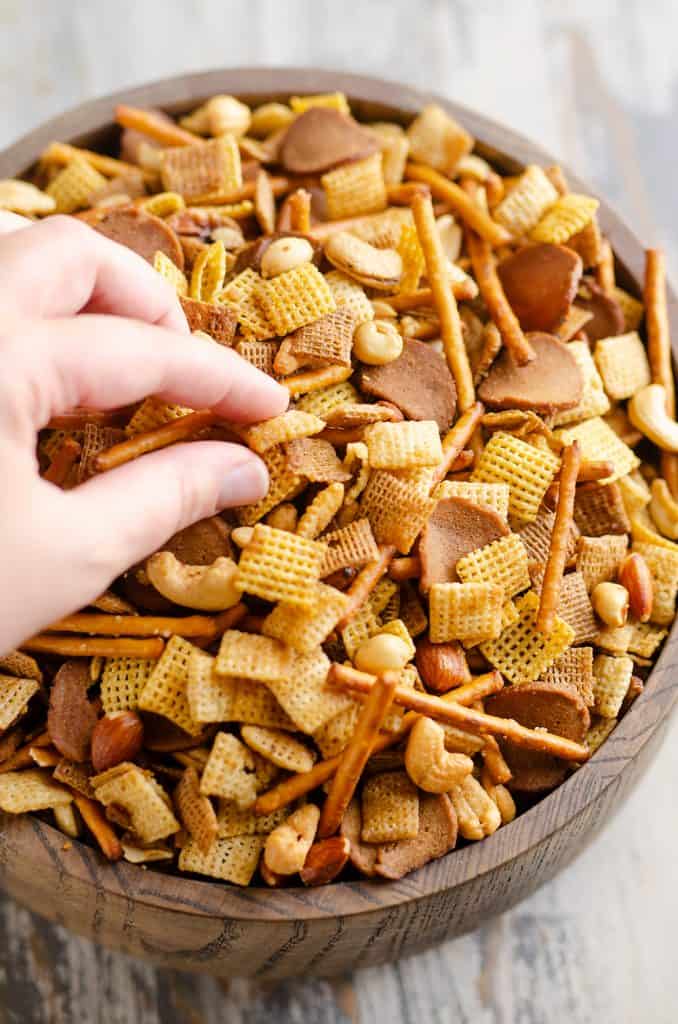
x,y
86,322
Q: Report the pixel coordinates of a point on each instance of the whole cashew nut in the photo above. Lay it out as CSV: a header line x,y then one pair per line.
x,y
477,814
647,412
288,844
207,588
429,764
664,509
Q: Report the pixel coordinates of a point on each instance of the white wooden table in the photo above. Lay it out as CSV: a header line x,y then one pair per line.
x,y
596,81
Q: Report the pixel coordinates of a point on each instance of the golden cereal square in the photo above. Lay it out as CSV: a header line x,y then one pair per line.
x,y
254,704
152,413
569,215
363,625
242,295
165,690
122,682
494,496
523,207
209,271
196,811
403,445
396,509
302,629
411,610
349,296
413,259
136,797
504,561
599,443
632,309
320,512
283,483
231,860
465,611
171,273
73,186
438,140
522,653
280,566
202,170
230,771
324,400
382,594
210,699
15,694
279,747
355,188
594,401
280,429
250,656
611,678
350,546
527,470
663,565
333,736
304,695
295,298
390,808
231,821
599,732
645,639
622,364
334,100
31,790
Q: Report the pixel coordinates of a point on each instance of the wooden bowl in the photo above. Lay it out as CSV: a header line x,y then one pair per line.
x,y
226,931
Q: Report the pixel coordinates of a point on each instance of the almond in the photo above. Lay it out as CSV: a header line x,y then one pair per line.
x,y
635,575
325,860
117,737
442,666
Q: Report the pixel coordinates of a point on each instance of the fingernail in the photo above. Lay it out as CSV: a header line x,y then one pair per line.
x,y
245,482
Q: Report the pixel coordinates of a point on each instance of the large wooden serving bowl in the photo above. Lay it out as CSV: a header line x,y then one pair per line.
x,y
226,931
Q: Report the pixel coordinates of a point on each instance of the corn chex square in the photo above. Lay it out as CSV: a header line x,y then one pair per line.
x,y
295,298
526,203
494,496
283,483
320,512
396,509
522,653
663,565
465,611
280,566
396,627
322,401
599,443
569,215
528,471
404,445
31,790
231,821
249,656
594,401
152,413
645,639
611,678
165,690
504,561
304,695
242,295
599,732
349,296
333,735
437,139
291,424
138,800
413,259
73,186
202,170
230,771
632,309
382,595
122,681
15,694
231,860
196,811
278,747
623,365
390,808
355,188
363,625
302,629
254,704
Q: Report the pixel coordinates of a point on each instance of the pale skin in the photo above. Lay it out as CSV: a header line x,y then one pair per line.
x,y
86,322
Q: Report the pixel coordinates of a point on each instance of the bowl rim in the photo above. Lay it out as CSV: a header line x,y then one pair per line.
x,y
552,812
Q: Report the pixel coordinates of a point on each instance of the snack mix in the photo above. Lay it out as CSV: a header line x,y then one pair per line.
x,y
467,560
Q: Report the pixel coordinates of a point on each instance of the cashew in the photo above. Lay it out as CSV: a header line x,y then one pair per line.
x,y
288,844
664,509
242,535
208,588
611,603
477,814
428,764
380,653
647,412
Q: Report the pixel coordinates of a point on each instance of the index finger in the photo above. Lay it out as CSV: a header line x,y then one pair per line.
x,y
79,269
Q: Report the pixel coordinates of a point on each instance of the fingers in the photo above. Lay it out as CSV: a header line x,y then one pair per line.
x,y
12,222
60,266
105,362
62,549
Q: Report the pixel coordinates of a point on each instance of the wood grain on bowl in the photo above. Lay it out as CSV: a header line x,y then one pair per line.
x,y
222,930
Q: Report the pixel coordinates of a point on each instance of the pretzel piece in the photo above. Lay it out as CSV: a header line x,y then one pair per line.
x,y
62,462
555,563
365,582
453,713
83,647
460,203
355,756
135,625
148,123
450,324
299,203
315,380
152,440
94,818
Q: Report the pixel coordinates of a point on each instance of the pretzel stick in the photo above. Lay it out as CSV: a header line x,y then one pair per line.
x,y
461,203
365,582
300,211
61,153
492,291
134,625
560,536
605,269
407,568
659,348
230,618
463,460
82,647
342,435
494,763
450,324
313,380
591,471
148,123
456,439
77,419
401,194
279,185
356,754
63,461
94,818
305,782
352,681
557,178
151,440
44,757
